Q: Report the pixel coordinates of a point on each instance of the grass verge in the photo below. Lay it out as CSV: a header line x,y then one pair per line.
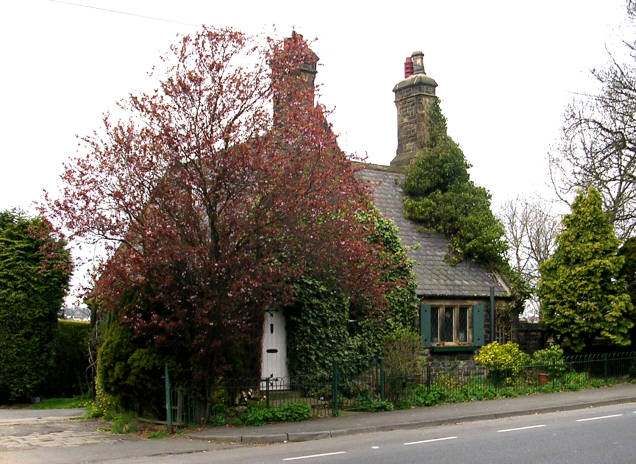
x,y
61,403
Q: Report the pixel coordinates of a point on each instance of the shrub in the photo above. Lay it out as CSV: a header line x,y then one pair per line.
x,y
401,351
479,392
218,413
130,377
551,359
401,361
503,361
256,416
575,380
293,412
508,392
436,394
34,275
403,403
457,396
124,423
382,405
296,412
363,403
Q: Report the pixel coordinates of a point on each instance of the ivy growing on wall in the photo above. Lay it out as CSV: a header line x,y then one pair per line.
x,y
442,197
324,327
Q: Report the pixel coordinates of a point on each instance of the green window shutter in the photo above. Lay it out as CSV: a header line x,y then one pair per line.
x,y
425,325
478,324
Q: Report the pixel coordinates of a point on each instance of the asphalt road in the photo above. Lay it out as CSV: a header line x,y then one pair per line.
x,y
9,415
594,435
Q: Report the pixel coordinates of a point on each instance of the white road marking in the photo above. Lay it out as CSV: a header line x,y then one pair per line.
x,y
375,447
429,441
598,418
314,456
521,428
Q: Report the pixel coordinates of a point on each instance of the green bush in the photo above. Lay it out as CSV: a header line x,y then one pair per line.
x,y
364,403
256,416
296,412
293,412
503,361
129,375
574,380
508,392
551,360
403,403
382,405
436,394
218,414
479,392
597,383
123,423
401,353
34,274
401,350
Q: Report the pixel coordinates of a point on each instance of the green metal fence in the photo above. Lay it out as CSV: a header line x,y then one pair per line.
x,y
379,387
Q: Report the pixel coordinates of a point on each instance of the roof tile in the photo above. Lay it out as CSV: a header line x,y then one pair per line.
x,y
435,276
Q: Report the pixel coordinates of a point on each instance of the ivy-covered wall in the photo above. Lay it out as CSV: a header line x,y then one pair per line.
x,y
442,197
323,326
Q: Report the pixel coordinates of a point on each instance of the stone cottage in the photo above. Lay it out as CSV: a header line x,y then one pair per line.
x,y
458,311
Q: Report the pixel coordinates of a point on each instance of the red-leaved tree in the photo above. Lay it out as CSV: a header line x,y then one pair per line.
x,y
214,193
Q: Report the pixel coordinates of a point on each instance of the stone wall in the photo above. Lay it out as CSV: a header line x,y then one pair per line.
x,y
455,366
529,336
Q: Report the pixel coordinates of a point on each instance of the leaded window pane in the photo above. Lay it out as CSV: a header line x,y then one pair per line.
x,y
462,330
447,325
434,324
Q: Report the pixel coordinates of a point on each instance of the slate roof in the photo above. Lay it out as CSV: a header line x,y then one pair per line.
x,y
435,276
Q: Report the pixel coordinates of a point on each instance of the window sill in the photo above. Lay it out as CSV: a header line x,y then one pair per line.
x,y
442,349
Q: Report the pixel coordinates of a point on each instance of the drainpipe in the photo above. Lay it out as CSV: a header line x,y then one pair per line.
x,y
492,314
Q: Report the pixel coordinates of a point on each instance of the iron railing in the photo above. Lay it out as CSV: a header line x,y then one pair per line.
x,y
380,387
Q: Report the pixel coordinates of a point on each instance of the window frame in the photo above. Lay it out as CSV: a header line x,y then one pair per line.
x,y
474,318
441,324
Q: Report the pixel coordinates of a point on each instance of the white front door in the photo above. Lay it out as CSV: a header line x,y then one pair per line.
x,y
274,352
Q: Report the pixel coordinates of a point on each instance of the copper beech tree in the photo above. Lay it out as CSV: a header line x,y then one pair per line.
x,y
214,193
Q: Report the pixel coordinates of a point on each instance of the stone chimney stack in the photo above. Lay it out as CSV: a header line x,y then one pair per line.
x,y
413,97
296,45
308,69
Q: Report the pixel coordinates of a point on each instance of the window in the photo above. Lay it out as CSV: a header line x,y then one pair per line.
x,y
452,324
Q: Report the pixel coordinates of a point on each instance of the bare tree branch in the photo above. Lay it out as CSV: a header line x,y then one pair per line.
x,y
598,142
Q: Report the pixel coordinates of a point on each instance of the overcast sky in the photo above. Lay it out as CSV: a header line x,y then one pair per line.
x,y
505,70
